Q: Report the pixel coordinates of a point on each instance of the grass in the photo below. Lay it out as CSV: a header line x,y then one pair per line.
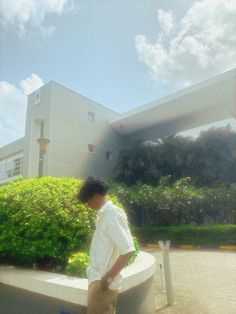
x,y
206,236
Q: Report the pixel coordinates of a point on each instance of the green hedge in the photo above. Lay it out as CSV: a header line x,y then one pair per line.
x,y
208,236
177,204
42,222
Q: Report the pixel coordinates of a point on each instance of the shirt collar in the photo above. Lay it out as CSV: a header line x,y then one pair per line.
x,y
103,208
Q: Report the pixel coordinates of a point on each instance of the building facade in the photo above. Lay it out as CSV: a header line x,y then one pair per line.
x,y
81,143
85,137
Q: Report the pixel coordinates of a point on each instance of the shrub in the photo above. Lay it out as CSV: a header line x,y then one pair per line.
x,y
206,236
78,264
42,221
177,204
136,245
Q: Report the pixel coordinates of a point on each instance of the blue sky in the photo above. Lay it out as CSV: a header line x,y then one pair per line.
x,y
121,54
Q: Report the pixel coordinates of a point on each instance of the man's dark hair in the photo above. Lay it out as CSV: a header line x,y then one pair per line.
x,y
90,187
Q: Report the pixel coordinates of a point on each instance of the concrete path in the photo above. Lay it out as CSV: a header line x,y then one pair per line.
x,y
204,282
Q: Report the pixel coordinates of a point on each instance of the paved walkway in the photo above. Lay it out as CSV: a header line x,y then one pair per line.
x,y
204,282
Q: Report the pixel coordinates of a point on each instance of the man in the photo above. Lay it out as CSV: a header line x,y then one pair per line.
x,y
111,248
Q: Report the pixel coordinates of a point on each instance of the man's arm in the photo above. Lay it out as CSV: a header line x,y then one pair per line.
x,y
120,263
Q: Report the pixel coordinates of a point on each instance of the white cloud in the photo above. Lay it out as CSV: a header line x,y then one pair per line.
x,y
29,14
200,45
166,19
30,84
13,101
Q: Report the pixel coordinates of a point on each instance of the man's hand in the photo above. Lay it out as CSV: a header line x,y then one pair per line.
x,y
104,284
116,268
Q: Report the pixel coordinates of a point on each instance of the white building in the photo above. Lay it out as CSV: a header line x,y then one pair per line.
x,y
86,137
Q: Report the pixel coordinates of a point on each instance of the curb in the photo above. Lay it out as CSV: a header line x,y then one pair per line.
x,y
228,247
192,247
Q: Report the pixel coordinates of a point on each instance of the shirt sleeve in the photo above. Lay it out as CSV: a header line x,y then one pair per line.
x,y
119,232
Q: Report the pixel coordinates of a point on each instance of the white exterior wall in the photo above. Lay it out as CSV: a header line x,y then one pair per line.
x,y
10,152
12,148
71,132
35,114
206,102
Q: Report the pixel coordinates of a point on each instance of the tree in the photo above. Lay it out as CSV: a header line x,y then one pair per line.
x,y
209,160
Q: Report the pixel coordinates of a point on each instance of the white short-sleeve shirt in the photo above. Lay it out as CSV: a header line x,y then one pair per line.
x,y
111,239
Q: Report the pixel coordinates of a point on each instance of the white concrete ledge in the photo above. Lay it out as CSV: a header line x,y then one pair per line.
x,y
73,289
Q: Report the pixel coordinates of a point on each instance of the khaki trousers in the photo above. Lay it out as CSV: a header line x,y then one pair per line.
x,y
101,301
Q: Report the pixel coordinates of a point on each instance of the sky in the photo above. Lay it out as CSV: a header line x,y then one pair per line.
x,y
121,54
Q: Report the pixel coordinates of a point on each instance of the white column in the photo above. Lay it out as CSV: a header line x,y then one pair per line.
x,y
167,272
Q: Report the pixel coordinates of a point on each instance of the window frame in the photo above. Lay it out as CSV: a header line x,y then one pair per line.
x,y
108,153
37,97
91,152
91,116
11,167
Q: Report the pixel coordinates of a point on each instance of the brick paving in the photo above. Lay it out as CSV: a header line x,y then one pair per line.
x,y
204,282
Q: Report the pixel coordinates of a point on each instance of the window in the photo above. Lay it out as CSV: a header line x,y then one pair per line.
x,y
42,129
37,98
91,148
108,156
11,167
91,116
